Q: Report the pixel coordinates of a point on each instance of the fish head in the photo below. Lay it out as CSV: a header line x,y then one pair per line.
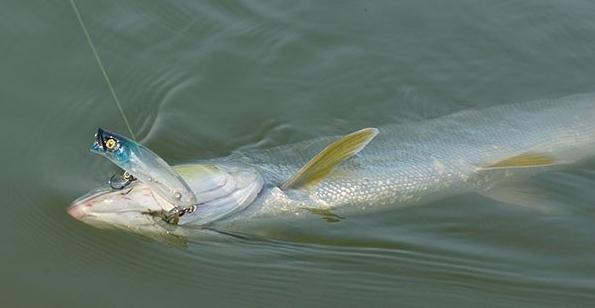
x,y
221,189
200,193
129,208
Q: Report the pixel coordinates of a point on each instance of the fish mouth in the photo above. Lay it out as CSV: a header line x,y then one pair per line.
x,y
78,207
78,212
90,195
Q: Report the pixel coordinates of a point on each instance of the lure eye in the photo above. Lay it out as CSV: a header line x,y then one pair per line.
x,y
112,144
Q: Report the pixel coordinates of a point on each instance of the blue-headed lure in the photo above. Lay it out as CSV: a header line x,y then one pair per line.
x,y
144,165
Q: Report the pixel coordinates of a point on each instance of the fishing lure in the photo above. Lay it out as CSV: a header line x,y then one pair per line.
x,y
144,165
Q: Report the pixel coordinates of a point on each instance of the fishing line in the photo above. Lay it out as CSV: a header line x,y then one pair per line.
x,y
172,216
103,71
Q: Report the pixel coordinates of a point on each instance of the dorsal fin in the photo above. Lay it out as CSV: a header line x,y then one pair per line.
x,y
525,160
335,153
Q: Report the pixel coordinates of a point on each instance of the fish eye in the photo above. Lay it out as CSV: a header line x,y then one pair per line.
x,y
112,144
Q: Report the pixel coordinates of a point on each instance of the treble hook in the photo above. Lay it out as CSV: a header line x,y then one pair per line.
x,y
172,216
119,182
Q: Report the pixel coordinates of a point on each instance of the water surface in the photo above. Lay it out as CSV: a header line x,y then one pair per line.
x,y
199,79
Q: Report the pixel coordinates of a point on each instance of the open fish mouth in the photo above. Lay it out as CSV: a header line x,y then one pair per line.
x,y
77,208
90,195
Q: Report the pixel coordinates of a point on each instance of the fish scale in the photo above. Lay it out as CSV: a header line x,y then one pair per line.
x,y
416,161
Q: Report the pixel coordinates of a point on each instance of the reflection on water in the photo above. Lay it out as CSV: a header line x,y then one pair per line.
x,y
201,79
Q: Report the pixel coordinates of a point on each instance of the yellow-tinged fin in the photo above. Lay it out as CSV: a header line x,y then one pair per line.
x,y
324,162
525,160
524,194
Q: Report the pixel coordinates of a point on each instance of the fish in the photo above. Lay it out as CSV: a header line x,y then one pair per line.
x,y
485,151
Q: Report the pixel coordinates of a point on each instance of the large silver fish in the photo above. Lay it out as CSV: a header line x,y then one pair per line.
x,y
470,151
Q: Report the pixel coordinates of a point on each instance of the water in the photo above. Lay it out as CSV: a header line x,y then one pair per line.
x,y
199,79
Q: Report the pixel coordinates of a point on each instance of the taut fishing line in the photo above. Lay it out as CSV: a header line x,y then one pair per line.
x,y
103,71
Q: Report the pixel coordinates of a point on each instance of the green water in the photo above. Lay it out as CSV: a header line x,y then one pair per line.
x,y
199,79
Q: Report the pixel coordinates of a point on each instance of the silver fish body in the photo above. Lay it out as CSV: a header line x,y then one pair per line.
x,y
416,161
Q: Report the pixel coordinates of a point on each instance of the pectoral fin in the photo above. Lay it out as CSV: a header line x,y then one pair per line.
x,y
523,195
324,162
525,160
